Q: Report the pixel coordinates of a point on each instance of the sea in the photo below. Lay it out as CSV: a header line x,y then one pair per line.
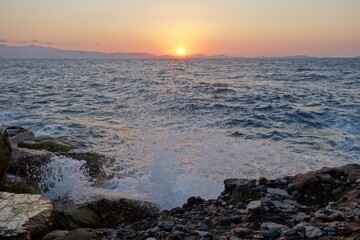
x,y
178,127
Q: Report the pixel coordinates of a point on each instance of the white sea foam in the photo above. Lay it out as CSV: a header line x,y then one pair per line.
x,y
65,178
169,168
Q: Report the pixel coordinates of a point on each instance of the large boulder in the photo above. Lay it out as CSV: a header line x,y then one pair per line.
x,y
325,185
24,216
5,154
94,163
22,137
103,212
15,130
76,234
240,191
47,143
16,184
29,163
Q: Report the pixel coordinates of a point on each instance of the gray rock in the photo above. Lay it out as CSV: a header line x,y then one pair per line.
x,y
15,130
254,205
24,216
204,227
221,202
5,154
102,212
329,215
156,229
168,225
203,234
234,238
15,184
241,232
47,143
24,153
312,232
22,137
226,238
28,163
291,234
278,191
272,230
55,235
331,231
81,234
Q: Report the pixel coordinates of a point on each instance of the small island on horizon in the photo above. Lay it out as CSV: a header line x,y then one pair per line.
x,y
36,51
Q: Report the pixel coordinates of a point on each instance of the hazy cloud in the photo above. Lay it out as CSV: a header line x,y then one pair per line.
x,y
25,41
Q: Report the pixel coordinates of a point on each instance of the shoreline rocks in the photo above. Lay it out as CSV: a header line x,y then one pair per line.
x,y
5,154
102,212
322,204
24,216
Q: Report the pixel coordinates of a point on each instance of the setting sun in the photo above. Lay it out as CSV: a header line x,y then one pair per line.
x,y
181,51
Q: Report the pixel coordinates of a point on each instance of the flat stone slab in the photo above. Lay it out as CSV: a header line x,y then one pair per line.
x,y
24,216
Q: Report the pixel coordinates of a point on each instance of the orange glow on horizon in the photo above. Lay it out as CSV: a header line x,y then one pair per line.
x,y
184,28
181,52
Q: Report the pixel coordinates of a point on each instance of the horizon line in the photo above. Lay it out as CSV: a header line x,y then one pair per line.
x,y
189,56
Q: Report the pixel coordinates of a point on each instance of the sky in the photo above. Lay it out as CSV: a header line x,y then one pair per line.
x,y
233,27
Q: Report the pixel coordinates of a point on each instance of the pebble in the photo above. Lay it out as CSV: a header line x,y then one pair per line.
x,y
312,232
254,205
234,238
278,191
155,229
168,225
330,231
203,234
204,227
221,202
271,230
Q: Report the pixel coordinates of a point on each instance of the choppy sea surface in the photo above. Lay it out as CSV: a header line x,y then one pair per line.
x,y
178,128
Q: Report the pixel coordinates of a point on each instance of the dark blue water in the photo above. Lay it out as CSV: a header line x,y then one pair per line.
x,y
189,124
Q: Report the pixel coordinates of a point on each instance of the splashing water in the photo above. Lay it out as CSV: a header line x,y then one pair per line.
x,y
65,178
169,168
179,128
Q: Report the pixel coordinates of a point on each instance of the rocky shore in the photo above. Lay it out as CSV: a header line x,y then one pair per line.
x,y
323,204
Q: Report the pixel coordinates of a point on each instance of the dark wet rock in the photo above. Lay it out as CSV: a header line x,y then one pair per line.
x,y
55,235
77,234
321,204
29,163
102,212
254,205
192,201
272,230
24,216
241,190
22,137
15,130
312,232
329,215
15,184
291,234
5,154
242,232
47,143
325,185
278,191
263,214
94,163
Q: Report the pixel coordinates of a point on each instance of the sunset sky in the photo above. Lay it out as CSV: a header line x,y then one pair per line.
x,y
231,27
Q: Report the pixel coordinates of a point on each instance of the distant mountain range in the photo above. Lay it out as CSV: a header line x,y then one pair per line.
x,y
34,51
